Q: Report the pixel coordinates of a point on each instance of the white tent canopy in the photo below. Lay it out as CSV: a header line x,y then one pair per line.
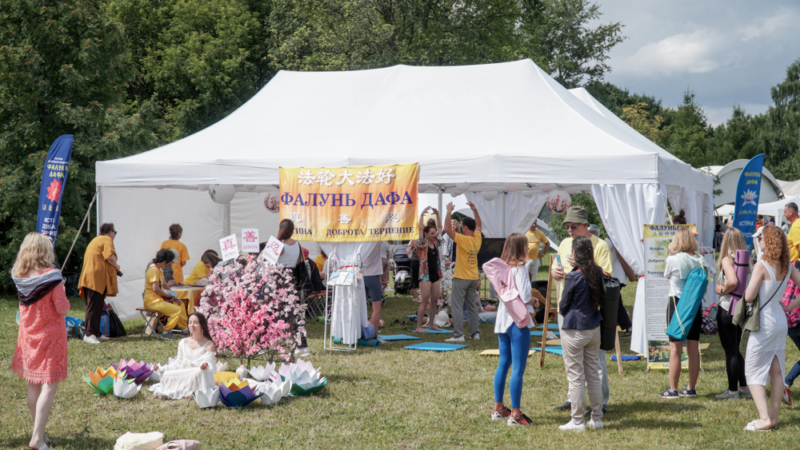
x,y
495,127
729,178
790,188
775,209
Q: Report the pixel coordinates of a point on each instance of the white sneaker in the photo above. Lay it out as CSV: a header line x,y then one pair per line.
x,y
728,395
595,424
476,337
103,338
455,339
570,426
302,352
90,340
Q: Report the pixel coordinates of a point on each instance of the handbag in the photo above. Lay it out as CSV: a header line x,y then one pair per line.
x,y
181,444
609,309
746,315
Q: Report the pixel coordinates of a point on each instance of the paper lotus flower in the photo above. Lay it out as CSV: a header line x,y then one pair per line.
x,y
262,373
308,389
236,394
301,372
221,365
101,381
136,371
271,392
208,398
125,388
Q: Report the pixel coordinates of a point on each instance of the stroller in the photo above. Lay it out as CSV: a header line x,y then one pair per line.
x,y
401,266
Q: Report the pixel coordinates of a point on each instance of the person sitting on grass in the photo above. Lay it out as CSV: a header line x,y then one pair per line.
x,y
194,367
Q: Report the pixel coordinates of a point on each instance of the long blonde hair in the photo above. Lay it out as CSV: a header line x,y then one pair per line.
x,y
35,253
683,241
514,252
732,240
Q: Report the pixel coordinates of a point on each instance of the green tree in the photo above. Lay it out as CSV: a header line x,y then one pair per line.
x,y
637,117
686,133
63,70
557,34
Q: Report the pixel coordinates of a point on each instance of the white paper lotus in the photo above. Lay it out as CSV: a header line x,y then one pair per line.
x,y
312,384
301,372
262,373
272,392
126,388
208,398
241,372
222,366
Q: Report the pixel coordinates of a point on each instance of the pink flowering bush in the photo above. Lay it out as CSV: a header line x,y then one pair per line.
x,y
253,309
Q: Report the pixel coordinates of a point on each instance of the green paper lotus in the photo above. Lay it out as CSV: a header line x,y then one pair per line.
x,y
102,386
298,390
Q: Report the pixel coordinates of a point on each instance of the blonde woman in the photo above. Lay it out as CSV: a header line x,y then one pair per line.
x,y
730,335
766,348
681,262
40,356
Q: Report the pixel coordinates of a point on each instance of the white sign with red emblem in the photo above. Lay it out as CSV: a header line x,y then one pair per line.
x,y
229,247
250,240
272,251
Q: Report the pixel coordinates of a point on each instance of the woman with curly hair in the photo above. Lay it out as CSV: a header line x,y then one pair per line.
x,y
766,348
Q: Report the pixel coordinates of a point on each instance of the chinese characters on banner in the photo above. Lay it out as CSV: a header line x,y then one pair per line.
x,y
54,179
656,240
250,240
745,207
229,247
351,204
272,251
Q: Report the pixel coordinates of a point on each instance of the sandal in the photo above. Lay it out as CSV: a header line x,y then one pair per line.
x,y
500,415
521,420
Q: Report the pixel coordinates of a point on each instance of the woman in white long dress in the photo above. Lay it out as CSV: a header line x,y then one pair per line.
x,y
764,360
194,367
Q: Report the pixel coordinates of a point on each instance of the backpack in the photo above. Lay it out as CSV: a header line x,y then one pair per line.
x,y
609,309
76,328
688,304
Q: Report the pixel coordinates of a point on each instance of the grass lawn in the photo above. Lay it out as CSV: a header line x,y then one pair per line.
x,y
388,397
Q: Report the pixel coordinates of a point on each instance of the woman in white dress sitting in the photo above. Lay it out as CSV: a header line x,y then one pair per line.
x,y
194,367
764,360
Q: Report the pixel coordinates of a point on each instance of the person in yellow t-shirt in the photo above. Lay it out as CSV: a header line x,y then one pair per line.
x,y
466,275
98,279
208,261
576,223
157,298
793,237
175,233
535,237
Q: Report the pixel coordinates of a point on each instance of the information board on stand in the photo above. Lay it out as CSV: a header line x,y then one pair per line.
x,y
656,241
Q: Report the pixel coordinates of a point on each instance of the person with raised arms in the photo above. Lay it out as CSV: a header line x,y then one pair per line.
x,y
466,275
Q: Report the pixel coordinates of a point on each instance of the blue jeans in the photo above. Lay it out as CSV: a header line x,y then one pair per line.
x,y
514,346
794,333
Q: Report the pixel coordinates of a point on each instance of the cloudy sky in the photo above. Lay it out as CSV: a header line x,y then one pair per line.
x,y
727,51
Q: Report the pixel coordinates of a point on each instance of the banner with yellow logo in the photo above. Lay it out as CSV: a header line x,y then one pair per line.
x,y
351,204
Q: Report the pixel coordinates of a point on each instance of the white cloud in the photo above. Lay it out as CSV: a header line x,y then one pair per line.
x,y
693,52
770,27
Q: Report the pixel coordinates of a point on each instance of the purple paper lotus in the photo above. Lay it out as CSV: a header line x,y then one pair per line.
x,y
238,398
138,372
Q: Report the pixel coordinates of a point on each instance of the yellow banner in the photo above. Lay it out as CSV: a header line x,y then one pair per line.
x,y
665,231
351,204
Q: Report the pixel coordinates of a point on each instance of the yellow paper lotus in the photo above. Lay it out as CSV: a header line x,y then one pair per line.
x,y
110,372
101,381
235,384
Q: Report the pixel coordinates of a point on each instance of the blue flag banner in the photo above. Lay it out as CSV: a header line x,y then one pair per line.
x,y
54,179
748,191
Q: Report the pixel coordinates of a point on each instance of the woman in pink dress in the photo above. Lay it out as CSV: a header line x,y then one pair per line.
x,y
40,356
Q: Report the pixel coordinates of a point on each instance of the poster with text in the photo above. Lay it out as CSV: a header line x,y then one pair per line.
x,y
250,240
229,247
351,204
656,241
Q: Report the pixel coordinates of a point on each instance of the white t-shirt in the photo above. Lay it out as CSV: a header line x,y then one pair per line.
x,y
523,282
291,253
619,272
672,271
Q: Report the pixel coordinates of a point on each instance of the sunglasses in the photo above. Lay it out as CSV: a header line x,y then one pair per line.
x,y
572,227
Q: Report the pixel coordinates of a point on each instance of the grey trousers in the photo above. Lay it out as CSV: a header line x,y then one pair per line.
x,y
464,293
583,371
603,367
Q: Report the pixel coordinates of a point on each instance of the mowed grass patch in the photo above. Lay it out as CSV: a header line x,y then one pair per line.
x,y
388,397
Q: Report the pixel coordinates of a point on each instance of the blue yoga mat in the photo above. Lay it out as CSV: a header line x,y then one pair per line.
x,y
412,317
435,332
551,349
540,334
627,358
399,337
550,326
435,346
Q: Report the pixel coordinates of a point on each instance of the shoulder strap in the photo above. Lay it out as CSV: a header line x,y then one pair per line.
x,y
300,257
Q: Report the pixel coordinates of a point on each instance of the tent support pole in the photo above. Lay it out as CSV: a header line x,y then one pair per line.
x,y
226,219
78,233
439,195
504,234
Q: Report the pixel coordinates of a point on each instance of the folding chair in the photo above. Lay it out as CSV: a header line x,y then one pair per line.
x,y
147,314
